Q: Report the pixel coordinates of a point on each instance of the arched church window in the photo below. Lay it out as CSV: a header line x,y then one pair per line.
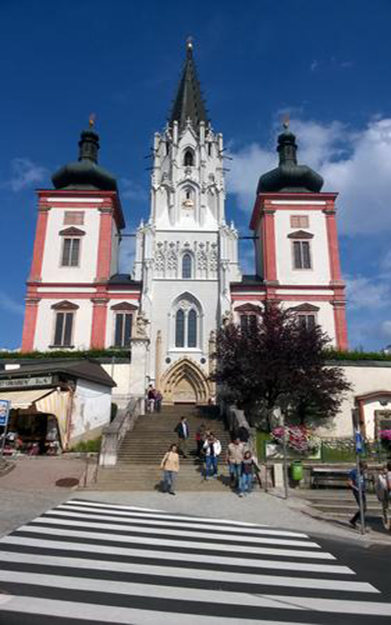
x,y
192,329
186,266
180,329
188,160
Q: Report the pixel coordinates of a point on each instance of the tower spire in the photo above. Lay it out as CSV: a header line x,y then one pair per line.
x,y
189,103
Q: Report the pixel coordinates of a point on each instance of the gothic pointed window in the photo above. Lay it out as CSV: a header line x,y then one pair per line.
x,y
188,160
186,266
180,329
192,328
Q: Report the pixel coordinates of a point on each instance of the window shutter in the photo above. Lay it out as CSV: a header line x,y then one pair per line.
x,y
180,329
75,252
59,328
119,322
306,255
192,329
128,330
68,329
66,252
297,255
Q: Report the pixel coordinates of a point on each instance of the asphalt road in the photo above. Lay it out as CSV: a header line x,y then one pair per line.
x,y
91,562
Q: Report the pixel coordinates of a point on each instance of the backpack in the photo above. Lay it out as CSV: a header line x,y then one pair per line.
x,y
381,487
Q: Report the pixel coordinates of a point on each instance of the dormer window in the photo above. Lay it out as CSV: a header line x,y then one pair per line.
x,y
188,160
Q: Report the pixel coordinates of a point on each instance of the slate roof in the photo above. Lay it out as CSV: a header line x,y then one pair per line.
x,y
189,103
79,368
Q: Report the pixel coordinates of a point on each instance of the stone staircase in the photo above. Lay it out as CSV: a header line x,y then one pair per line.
x,y
138,466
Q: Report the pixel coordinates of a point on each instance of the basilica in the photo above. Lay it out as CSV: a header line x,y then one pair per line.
x,y
186,280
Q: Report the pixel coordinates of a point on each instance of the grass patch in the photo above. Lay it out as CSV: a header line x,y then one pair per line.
x,y
92,445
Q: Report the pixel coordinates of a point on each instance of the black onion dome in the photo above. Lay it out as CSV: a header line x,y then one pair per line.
x,y
85,173
289,176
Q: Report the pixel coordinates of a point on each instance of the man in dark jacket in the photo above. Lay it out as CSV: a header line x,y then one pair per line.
x,y
183,432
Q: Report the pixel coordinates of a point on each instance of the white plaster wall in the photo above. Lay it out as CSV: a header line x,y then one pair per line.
x,y
286,274
51,267
367,379
91,408
164,294
44,333
121,374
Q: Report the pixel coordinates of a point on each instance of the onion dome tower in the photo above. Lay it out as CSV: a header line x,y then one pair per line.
x,y
85,173
289,176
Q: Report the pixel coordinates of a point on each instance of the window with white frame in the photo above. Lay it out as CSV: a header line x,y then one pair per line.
x,y
300,221
186,266
306,315
74,218
123,329
70,256
186,328
248,322
302,255
63,329
306,320
64,322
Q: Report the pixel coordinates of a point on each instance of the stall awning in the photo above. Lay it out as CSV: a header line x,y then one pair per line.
x,y
24,399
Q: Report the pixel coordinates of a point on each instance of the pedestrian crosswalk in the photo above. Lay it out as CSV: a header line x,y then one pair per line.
x,y
89,562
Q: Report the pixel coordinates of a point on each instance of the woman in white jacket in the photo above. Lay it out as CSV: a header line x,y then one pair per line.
x,y
212,450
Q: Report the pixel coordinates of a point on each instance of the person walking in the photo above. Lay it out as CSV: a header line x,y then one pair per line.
x,y
158,401
234,459
212,450
170,466
383,492
151,394
200,438
183,432
357,483
247,468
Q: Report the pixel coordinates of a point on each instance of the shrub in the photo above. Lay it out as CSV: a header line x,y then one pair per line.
x,y
92,445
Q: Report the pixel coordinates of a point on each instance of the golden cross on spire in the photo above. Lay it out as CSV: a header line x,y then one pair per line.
x,y
189,43
91,120
285,121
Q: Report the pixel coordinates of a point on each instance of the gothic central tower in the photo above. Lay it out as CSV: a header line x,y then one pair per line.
x,y
186,255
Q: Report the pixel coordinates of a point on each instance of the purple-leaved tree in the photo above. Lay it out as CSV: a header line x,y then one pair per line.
x,y
278,363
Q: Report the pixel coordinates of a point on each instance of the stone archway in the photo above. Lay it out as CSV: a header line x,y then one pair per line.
x,y
185,382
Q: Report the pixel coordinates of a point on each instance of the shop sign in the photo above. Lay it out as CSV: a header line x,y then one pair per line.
x,y
4,411
27,382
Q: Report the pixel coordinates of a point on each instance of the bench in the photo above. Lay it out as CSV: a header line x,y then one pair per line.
x,y
329,477
323,476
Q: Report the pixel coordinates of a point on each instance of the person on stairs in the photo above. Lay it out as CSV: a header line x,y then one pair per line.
x,y
183,432
170,466
235,453
212,450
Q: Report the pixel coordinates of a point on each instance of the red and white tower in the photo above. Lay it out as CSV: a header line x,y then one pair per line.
x,y
75,296
297,257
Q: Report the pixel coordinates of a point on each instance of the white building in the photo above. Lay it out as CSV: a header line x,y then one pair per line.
x,y
187,276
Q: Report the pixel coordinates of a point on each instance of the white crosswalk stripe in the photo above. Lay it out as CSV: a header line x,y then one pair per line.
x,y
104,563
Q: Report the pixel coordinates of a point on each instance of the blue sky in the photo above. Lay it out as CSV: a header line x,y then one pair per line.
x,y
326,63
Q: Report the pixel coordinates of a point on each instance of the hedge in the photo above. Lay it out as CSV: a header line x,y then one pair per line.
x,y
66,353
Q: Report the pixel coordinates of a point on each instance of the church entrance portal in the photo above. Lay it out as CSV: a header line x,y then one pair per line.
x,y
185,382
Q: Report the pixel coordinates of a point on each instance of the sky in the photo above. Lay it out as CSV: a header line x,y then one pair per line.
x,y
327,64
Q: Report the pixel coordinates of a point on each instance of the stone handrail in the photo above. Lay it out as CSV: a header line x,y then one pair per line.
x,y
114,433
236,419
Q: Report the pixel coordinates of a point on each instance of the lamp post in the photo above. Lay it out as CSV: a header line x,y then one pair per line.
x,y
281,418
358,445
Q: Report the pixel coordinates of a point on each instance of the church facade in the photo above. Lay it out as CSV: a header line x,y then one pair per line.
x,y
186,281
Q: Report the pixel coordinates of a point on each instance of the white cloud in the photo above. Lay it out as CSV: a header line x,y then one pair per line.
x,y
24,173
368,293
10,305
356,164
314,65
